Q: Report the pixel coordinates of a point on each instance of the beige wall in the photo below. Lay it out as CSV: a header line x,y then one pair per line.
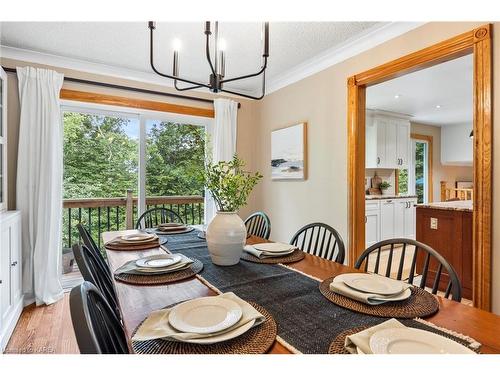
x,y
246,115
321,100
441,172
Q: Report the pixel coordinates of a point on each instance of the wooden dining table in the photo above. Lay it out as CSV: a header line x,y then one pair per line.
x,y
136,302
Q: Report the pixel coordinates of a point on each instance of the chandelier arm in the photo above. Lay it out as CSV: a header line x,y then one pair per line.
x,y
186,88
250,96
248,75
167,75
207,49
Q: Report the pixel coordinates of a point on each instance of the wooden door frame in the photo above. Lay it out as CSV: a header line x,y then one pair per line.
x,y
478,43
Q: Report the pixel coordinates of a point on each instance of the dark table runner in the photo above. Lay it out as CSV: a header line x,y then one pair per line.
x,y
306,320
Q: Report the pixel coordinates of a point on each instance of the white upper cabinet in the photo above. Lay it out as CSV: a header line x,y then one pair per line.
x,y
387,141
3,140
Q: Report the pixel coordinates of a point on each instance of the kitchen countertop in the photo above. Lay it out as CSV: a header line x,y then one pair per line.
x,y
451,206
389,196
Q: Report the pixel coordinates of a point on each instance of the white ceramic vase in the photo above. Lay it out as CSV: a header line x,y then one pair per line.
x,y
226,235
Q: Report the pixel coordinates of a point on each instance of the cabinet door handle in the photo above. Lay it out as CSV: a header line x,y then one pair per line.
x,y
378,160
366,219
14,264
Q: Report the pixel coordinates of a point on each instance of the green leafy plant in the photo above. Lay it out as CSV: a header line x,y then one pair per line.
x,y
229,184
384,185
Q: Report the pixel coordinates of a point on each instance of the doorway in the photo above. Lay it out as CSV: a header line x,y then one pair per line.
x,y
478,43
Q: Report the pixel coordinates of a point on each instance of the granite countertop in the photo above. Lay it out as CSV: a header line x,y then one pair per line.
x,y
450,206
390,196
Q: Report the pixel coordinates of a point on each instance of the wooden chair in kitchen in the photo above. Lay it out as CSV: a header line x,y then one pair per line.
x,y
428,257
158,215
258,224
321,240
96,327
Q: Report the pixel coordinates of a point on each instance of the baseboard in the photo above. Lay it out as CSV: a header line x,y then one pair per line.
x,y
10,324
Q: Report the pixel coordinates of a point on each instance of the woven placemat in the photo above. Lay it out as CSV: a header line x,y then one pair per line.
x,y
163,278
418,305
337,345
132,247
164,233
257,340
290,258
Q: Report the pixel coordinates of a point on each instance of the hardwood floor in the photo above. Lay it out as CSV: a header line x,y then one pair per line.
x,y
44,330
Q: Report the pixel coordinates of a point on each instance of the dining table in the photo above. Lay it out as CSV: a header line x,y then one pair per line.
x,y
137,302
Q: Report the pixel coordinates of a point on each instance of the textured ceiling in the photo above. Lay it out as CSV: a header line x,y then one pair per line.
x,y
126,44
448,85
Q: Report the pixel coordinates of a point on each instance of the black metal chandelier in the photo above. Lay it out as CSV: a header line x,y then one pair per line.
x,y
218,66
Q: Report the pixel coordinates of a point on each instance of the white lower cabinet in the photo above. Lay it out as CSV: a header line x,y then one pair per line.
x,y
389,218
11,297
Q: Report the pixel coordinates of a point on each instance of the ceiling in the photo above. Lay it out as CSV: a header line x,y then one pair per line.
x,y
126,44
447,85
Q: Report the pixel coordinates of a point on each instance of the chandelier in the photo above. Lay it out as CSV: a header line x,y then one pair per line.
x,y
217,65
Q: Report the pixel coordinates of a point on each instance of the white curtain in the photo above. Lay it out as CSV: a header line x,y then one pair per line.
x,y
39,182
221,135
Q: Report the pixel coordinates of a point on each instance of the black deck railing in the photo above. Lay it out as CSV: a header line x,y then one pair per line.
x,y
99,215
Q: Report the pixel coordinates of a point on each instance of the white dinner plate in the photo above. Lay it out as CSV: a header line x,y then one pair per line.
x,y
373,284
205,315
223,336
413,341
160,261
278,254
138,237
273,247
170,225
157,271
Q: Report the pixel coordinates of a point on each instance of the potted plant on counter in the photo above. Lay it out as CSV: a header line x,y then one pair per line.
x,y
230,187
384,186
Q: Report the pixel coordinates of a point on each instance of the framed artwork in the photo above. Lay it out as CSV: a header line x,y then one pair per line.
x,y
289,153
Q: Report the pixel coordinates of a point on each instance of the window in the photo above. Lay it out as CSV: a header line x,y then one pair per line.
x,y
108,151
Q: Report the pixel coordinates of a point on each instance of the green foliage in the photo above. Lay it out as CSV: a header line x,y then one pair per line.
x,y
229,184
384,185
403,181
175,159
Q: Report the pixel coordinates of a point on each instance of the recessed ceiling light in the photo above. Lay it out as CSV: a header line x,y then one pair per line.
x,y
438,106
397,96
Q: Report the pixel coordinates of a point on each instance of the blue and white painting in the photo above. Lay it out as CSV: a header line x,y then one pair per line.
x,y
287,153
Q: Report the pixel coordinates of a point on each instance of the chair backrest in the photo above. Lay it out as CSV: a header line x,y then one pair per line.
x,y
90,243
258,224
96,327
424,258
151,218
94,272
321,240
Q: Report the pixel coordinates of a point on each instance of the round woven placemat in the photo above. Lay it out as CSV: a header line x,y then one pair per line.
x,y
418,305
162,278
290,258
168,233
337,345
256,340
137,247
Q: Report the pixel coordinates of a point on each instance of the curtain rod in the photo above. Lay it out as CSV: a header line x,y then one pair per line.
x,y
136,89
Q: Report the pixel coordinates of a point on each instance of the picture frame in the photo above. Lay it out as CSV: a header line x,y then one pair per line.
x,y
289,153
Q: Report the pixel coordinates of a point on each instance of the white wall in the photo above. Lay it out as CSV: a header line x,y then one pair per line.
x,y
456,145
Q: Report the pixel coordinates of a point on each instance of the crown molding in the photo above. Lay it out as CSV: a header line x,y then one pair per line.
x,y
352,47
62,62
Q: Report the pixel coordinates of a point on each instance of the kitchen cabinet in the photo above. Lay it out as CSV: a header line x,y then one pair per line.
x,y
389,218
11,297
387,141
372,222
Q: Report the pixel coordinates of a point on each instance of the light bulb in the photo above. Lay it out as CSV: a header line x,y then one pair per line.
x,y
177,44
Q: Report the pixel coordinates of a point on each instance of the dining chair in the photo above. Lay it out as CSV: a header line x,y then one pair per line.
x,y
97,273
431,261
158,215
321,240
258,224
96,327
90,243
